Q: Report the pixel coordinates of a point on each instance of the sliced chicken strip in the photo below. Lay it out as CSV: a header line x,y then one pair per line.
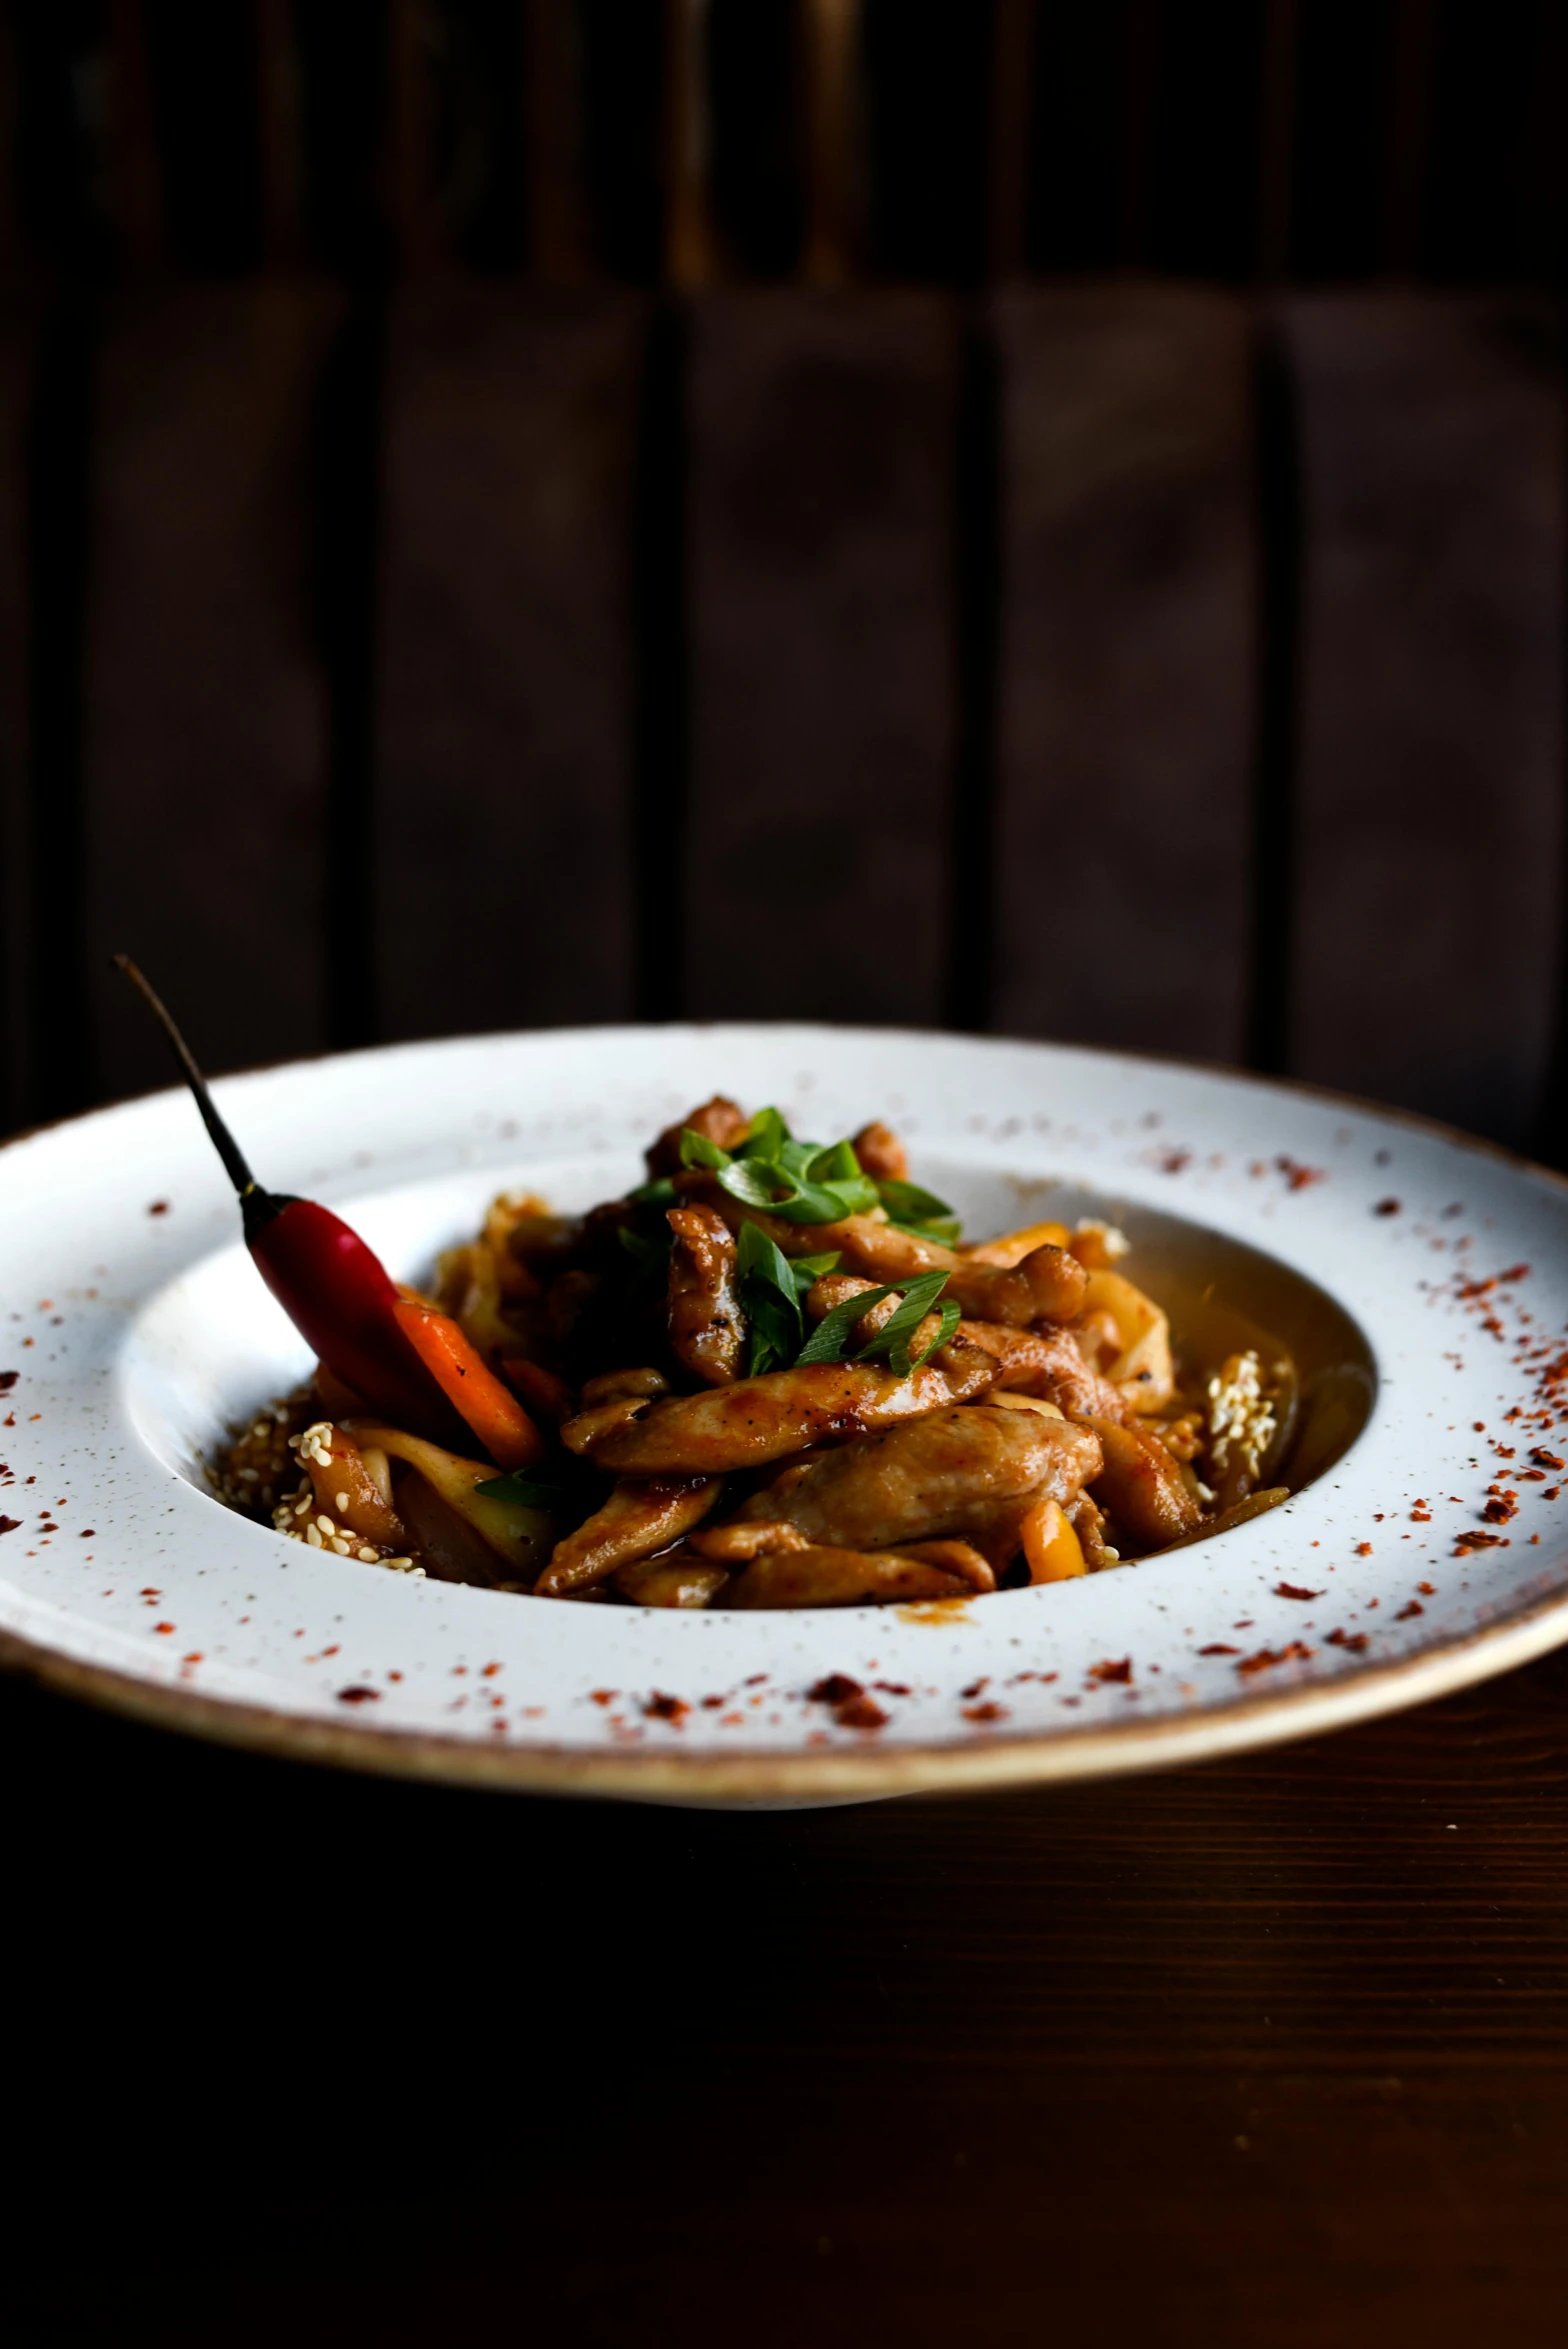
x,y
823,1577
1046,1285
677,1581
637,1519
881,1153
1046,1363
704,1312
761,1419
1142,1487
954,1472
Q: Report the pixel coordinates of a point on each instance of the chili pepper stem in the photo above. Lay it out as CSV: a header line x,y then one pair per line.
x,y
257,1206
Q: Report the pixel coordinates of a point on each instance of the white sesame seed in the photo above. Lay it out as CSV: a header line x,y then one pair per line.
x,y
325,1522
313,1537
342,1501
367,1557
338,1544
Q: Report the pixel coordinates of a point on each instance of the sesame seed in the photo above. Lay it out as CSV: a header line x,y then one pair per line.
x,y
342,1501
367,1557
325,1522
313,1537
341,1546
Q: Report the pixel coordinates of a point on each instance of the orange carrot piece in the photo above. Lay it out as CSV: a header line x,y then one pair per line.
x,y
475,1393
1051,1545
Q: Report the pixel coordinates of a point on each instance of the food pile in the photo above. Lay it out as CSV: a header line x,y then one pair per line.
x,y
773,1375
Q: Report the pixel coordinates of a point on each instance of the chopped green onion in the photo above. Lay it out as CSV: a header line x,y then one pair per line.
x,y
920,1212
697,1150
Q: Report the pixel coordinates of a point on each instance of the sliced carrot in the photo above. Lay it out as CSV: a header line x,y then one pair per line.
x,y
470,1386
1052,1549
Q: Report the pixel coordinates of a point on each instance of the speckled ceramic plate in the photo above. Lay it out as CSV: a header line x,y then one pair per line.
x,y
1423,1279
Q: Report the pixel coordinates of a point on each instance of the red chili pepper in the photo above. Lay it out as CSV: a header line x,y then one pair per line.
x,y
340,1296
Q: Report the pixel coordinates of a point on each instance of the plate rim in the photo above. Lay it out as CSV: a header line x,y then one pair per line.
x,y
785,1778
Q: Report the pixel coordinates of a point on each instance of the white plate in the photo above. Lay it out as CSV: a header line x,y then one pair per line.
x,y
138,1329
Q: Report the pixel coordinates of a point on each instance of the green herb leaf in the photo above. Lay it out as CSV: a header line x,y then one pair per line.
x,y
775,1187
834,1331
891,1344
697,1150
808,1269
661,1193
951,1315
767,1136
770,1300
919,1211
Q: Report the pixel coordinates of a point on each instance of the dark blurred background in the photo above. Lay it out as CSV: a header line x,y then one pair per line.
x,y
1042,515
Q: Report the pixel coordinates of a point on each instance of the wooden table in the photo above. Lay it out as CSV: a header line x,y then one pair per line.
x,y
1268,2053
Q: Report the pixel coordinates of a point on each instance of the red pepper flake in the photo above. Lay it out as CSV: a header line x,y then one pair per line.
x,y
1363,1549
1415,1608
359,1696
164,1627
990,1711
1173,1162
159,1207
754,1679
1218,1648
89,1533
8,1379
1293,1590
1476,1541
604,1696
9,1524
490,1672
1267,1658
1386,1207
673,1709
860,1712
893,1687
1420,1516
1545,1459
1501,1509
836,1689
712,1704
1108,1671
976,1687
194,1657
1428,1590
1355,1642
1297,1176
1515,1272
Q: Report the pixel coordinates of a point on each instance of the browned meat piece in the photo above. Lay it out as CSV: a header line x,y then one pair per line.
x,y
960,1558
589,1428
678,1581
1089,1525
953,1472
636,1520
761,1419
881,1153
1049,1364
738,1544
1142,1487
1048,1285
719,1120
841,1578
836,1288
705,1317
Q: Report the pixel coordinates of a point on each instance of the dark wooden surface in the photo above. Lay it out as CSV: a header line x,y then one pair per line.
x,y
1266,2054
442,586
